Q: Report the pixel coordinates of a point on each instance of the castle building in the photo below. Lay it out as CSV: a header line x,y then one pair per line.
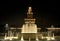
x,y
29,26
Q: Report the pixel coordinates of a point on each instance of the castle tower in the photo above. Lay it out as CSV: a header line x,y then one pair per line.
x,y
29,26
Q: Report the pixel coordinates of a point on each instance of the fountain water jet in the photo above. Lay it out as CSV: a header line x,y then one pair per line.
x,y
37,39
53,38
22,38
29,38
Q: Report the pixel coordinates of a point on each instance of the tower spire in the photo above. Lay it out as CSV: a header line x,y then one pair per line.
x,y
29,10
30,13
29,26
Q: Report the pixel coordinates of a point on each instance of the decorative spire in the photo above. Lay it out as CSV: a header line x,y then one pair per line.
x,y
29,13
29,10
6,26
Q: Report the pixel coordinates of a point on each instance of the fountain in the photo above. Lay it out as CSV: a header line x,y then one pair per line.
x,y
53,38
5,35
50,37
10,36
7,38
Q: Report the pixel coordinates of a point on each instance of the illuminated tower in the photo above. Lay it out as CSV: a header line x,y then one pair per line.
x,y
29,26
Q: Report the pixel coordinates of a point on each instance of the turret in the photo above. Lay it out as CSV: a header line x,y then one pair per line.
x,y
29,13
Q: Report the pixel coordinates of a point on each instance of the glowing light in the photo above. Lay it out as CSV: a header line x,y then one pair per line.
x,y
48,38
37,39
8,38
22,38
52,38
29,28
42,37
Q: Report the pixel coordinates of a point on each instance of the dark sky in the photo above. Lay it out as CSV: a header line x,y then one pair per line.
x,y
45,11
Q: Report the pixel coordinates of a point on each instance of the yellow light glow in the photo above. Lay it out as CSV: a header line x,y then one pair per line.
x,y
52,38
10,38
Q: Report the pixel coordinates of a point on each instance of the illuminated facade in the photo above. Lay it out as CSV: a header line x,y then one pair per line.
x,y
29,30
29,26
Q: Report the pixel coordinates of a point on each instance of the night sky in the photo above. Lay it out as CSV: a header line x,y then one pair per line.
x,y
13,12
